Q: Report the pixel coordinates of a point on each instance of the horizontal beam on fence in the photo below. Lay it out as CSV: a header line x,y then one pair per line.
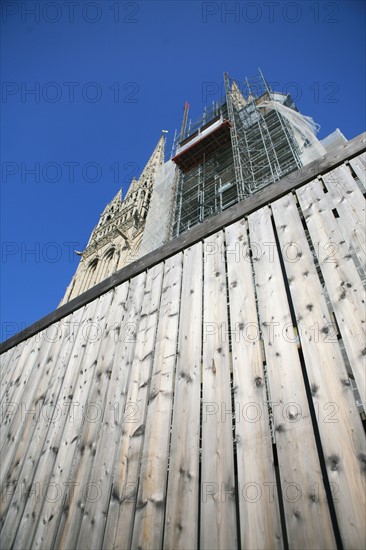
x,y
328,162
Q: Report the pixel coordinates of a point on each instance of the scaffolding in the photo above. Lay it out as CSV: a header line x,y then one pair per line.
x,y
239,145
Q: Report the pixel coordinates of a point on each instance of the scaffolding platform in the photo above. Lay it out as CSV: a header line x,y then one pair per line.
x,y
203,143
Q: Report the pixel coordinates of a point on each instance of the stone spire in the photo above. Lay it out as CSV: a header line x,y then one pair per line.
x,y
116,239
115,203
149,172
239,100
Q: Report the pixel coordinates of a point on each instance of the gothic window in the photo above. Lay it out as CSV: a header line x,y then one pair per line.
x,y
93,264
89,274
108,265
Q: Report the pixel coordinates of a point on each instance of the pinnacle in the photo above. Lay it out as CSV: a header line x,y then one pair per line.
x,y
156,159
117,200
149,172
238,98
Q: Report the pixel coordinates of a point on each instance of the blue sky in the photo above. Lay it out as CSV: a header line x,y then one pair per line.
x,y
108,76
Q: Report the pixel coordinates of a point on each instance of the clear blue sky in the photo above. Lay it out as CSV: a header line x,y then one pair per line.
x,y
108,77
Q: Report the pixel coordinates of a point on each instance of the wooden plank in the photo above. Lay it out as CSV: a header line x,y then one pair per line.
x,y
8,375
7,361
129,454
16,478
110,503
42,457
260,525
29,406
339,423
57,471
350,204
150,510
68,517
20,384
23,360
341,278
308,523
359,167
181,522
218,528
272,192
120,331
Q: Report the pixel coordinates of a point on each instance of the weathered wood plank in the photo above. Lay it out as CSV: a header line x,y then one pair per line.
x,y
339,424
69,517
7,361
42,460
359,166
181,523
11,378
110,502
350,205
21,364
66,440
129,454
308,523
18,477
218,528
341,278
29,407
120,329
151,499
320,166
259,510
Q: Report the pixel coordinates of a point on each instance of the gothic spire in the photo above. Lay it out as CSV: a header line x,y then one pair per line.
x,y
115,202
237,97
149,172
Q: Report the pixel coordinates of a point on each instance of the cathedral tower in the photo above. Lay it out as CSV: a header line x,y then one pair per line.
x,y
116,239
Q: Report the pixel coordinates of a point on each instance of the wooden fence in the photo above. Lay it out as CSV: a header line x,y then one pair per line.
x,y
203,398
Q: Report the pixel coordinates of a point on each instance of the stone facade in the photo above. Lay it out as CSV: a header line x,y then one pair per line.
x,y
116,240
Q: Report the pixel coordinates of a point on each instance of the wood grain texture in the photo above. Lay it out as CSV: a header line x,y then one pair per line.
x,y
342,280
342,435
349,204
151,499
218,502
17,477
308,523
358,164
119,489
59,451
129,452
259,508
181,525
7,362
87,489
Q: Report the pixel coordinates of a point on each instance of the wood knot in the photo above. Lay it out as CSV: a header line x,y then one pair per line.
x,y
213,366
334,462
362,459
313,497
258,381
